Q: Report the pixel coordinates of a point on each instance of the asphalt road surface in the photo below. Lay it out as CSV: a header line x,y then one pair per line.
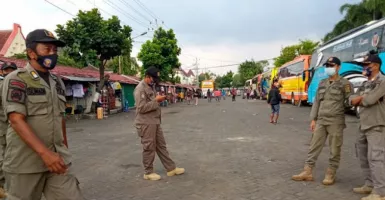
x,y
229,149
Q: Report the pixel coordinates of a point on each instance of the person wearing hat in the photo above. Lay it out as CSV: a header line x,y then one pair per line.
x,y
147,122
37,159
371,140
6,68
327,120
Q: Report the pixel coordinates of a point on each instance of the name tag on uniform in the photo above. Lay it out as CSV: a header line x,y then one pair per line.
x,y
35,91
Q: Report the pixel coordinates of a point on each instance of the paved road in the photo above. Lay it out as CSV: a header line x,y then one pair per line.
x,y
229,150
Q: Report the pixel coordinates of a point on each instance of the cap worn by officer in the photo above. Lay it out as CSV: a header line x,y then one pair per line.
x,y
9,65
42,36
332,61
371,59
153,72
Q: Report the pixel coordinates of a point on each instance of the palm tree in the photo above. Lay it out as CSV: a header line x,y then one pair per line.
x,y
376,7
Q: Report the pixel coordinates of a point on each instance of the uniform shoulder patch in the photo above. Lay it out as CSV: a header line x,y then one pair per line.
x,y
348,88
16,95
17,84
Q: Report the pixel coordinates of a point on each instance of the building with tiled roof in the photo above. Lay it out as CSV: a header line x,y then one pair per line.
x,y
186,78
12,41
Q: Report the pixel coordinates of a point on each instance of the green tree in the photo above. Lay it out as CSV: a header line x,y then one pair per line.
x,y
129,65
356,15
237,81
162,52
97,39
227,79
218,82
305,47
249,69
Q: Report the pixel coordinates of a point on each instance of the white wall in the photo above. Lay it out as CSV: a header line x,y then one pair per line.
x,y
17,45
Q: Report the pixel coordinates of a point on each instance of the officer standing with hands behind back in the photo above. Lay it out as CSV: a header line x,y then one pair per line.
x,y
6,68
147,122
37,159
371,140
328,120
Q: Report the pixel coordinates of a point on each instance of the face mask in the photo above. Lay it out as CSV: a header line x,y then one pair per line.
x,y
368,71
48,62
330,71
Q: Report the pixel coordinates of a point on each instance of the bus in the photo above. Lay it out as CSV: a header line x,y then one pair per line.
x,y
207,85
294,80
351,46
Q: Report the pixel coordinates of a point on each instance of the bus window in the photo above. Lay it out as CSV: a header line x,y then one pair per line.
x,y
296,69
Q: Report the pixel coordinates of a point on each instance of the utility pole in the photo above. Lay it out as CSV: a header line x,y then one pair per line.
x,y
196,72
120,66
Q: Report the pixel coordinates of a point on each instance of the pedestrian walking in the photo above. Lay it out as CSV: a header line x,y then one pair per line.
x,y
6,69
233,93
217,95
371,140
248,93
37,159
196,96
274,101
147,122
223,94
189,95
208,95
327,120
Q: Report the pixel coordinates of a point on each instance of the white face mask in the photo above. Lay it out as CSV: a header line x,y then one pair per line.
x,y
330,71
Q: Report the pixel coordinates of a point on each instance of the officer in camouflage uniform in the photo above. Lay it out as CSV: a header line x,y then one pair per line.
x,y
6,69
371,140
147,122
36,159
328,120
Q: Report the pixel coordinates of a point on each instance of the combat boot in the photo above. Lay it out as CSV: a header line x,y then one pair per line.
x,y
305,175
373,197
176,171
2,193
330,177
152,177
363,190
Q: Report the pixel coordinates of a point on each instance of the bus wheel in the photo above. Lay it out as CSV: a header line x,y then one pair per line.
x,y
292,99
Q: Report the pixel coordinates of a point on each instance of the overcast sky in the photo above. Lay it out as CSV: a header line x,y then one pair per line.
x,y
217,32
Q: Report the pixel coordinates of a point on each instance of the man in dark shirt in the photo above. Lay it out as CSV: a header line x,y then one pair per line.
x,y
274,99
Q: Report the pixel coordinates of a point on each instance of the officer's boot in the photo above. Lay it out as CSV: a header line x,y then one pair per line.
x,y
2,193
305,175
373,197
363,190
152,177
176,171
330,177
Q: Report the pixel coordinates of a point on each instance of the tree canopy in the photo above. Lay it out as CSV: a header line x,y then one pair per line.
x,y
304,47
237,81
129,65
225,80
356,15
250,68
93,40
161,52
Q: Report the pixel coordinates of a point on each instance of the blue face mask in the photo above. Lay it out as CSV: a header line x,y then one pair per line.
x,y
368,71
330,71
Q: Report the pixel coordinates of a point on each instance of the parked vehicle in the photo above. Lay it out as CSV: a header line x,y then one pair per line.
x,y
206,85
294,80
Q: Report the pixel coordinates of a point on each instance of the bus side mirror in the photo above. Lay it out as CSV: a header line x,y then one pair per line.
x,y
303,75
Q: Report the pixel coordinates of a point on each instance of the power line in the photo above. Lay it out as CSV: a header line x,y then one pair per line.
x,y
115,7
136,11
60,8
146,9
